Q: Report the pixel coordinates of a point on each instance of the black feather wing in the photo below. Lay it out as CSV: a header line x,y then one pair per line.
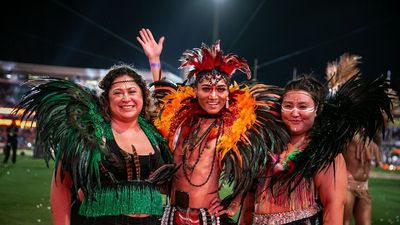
x,y
267,135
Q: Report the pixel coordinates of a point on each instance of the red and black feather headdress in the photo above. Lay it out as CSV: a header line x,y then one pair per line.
x,y
204,59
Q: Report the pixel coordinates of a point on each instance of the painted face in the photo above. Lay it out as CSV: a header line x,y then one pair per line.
x,y
298,112
212,97
126,99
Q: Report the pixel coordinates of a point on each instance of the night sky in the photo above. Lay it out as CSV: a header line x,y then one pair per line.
x,y
280,34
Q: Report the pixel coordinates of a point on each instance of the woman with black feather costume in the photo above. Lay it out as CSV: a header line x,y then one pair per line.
x,y
306,184
301,102
105,149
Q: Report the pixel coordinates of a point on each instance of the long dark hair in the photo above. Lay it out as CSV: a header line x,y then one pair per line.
x,y
105,84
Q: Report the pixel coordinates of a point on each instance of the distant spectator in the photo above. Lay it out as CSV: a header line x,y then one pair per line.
x,y
12,143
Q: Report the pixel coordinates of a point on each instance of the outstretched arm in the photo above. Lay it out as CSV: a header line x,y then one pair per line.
x,y
153,50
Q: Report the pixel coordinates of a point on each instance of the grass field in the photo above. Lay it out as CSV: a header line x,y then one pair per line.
x,y
24,191
385,201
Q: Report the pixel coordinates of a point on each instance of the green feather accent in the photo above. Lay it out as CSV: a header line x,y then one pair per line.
x,y
95,162
97,120
108,132
156,139
150,132
69,122
290,157
135,197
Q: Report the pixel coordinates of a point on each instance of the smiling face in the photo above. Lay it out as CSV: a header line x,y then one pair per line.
x,y
298,112
212,97
125,99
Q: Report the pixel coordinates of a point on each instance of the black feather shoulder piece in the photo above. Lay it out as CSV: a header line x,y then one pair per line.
x,y
69,127
265,135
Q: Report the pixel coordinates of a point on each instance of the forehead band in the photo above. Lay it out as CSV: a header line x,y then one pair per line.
x,y
123,81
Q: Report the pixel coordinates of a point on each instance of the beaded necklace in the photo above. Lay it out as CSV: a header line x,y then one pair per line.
x,y
191,143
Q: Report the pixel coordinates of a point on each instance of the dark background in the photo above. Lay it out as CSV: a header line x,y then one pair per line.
x,y
281,34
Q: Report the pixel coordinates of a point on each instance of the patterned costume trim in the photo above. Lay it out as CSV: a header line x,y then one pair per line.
x,y
174,215
285,217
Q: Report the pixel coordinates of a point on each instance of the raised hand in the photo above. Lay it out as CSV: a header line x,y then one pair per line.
x,y
151,48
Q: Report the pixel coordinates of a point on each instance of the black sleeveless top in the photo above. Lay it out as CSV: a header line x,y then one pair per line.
x,y
124,188
118,166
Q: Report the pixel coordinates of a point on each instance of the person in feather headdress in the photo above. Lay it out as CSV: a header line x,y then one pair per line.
x,y
307,183
214,131
105,149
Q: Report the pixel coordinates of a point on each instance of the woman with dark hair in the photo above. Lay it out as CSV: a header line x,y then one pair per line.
x,y
312,201
307,182
105,149
108,80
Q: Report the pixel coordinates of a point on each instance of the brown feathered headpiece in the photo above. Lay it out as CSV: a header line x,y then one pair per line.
x,y
341,70
200,61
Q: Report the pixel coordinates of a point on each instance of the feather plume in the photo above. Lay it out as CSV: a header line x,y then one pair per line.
x,y
206,59
69,123
340,71
259,132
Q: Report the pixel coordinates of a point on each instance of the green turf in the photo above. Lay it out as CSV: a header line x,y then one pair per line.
x,y
24,191
385,201
380,170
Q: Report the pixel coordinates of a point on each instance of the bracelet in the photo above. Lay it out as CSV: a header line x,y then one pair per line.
x,y
155,65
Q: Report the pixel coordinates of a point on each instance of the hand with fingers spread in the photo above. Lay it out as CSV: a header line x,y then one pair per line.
x,y
151,48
